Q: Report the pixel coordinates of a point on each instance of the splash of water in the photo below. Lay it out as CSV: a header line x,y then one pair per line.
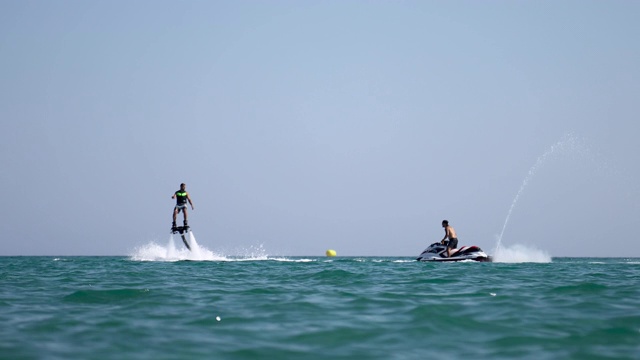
x,y
156,252
520,254
568,143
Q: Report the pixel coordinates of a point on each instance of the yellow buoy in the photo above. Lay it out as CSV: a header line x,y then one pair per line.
x,y
331,252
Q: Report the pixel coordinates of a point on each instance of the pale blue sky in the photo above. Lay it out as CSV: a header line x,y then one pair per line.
x,y
307,125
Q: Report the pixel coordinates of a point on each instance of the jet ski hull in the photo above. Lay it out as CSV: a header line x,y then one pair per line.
x,y
438,252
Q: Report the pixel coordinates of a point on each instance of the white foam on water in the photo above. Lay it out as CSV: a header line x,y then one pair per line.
x,y
283,259
170,252
153,251
520,254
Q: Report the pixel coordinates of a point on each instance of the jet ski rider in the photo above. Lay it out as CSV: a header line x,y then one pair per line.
x,y
449,232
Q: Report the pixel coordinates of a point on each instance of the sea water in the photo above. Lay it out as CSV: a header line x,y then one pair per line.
x,y
159,304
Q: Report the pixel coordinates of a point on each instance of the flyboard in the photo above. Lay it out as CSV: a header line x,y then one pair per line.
x,y
183,231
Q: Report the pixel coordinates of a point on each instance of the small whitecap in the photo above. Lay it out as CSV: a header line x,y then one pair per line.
x,y
492,294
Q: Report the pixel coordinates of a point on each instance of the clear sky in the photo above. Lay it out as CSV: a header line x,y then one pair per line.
x,y
300,126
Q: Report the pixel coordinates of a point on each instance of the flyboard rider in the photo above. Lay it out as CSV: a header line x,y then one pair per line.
x,y
181,196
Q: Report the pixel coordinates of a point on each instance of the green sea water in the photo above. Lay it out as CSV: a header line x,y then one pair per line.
x,y
160,307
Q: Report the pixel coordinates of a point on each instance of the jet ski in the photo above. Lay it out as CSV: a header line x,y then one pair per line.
x,y
438,252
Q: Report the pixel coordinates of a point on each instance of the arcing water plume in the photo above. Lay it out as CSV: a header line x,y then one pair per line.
x,y
569,143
